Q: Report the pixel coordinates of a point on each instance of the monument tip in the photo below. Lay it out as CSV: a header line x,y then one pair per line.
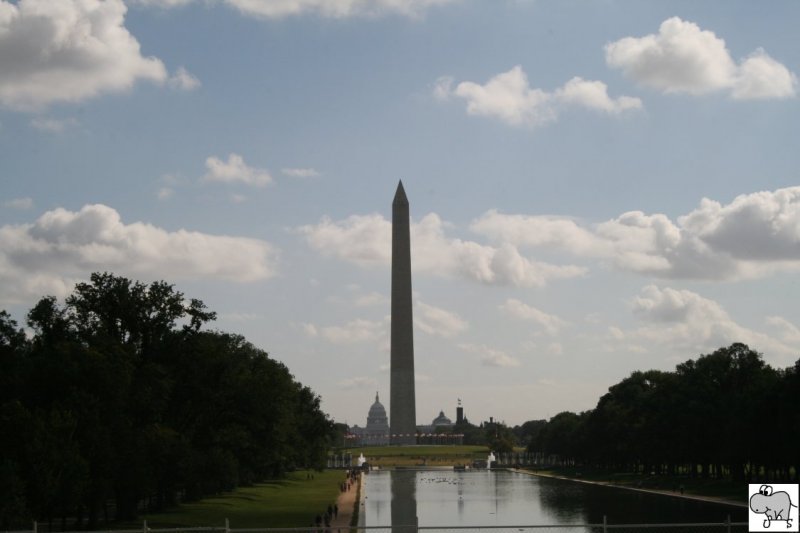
x,y
400,197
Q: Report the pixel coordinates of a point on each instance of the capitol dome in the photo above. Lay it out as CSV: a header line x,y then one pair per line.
x,y
377,419
441,420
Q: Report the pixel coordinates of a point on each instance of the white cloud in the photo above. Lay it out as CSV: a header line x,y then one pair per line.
x,y
437,321
53,125
550,323
170,182
68,51
594,95
183,80
370,299
19,203
300,172
355,331
274,9
361,239
358,382
762,226
685,322
666,305
443,87
491,357
682,58
235,170
788,332
654,245
162,3
755,235
165,193
366,241
333,8
61,246
760,76
539,230
616,333
509,97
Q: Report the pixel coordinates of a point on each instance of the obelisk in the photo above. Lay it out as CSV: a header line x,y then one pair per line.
x,y
402,407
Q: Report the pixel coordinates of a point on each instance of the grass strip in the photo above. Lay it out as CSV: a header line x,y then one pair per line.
x,y
446,455
291,502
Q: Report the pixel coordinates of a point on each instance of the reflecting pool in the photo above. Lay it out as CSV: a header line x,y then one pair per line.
x,y
441,498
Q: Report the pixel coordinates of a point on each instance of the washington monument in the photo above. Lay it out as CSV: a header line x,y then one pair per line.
x,y
402,406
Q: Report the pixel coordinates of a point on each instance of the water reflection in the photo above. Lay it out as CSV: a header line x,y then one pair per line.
x,y
404,502
447,498
621,506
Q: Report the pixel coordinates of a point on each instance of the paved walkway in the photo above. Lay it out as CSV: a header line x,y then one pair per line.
x,y
346,503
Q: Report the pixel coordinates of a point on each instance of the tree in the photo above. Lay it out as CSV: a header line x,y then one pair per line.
x,y
14,425
121,394
528,432
562,437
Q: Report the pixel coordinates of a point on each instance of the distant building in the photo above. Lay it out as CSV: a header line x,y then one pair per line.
x,y
377,431
441,430
441,420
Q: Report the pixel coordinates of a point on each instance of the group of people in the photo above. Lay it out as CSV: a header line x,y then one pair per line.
x,y
332,512
351,479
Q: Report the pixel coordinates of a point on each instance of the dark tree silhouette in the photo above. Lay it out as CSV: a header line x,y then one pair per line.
x,y
714,416
121,400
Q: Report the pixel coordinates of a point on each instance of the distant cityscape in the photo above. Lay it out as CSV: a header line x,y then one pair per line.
x,y
377,431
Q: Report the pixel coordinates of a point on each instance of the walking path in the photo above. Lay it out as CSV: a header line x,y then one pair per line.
x,y
711,499
347,504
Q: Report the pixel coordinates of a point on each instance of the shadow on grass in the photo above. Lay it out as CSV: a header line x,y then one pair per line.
x,y
290,502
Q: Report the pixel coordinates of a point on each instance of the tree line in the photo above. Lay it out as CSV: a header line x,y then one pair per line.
x,y
725,414
120,400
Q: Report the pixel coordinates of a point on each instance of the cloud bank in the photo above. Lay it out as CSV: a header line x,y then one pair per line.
x,y
754,235
682,58
365,240
275,9
509,98
68,51
62,246
491,357
437,321
686,322
551,324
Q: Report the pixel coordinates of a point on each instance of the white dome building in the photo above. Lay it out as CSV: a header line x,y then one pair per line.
x,y
377,431
441,420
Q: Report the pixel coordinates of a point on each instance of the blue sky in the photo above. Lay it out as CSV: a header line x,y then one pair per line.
x,y
595,187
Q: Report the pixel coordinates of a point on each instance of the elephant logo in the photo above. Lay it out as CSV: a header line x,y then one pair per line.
x,y
775,504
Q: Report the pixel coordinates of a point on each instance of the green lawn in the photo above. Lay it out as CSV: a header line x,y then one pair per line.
x,y
290,502
296,500
445,455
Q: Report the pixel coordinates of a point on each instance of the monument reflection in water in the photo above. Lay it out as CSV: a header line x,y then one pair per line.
x,y
404,502
499,498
